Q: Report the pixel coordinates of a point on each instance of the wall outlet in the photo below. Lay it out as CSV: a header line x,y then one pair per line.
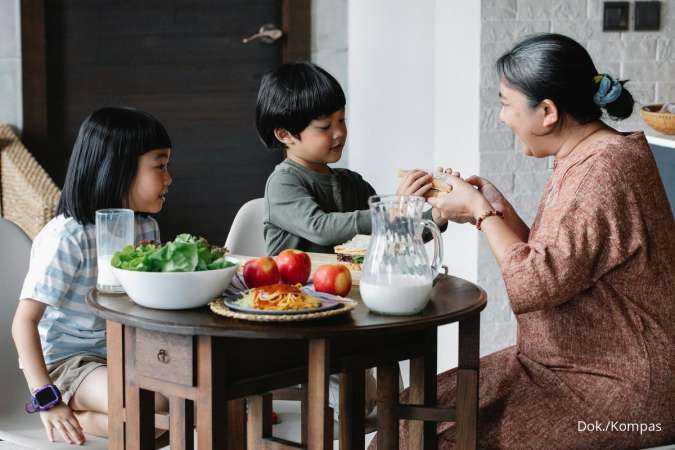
x,y
615,16
647,16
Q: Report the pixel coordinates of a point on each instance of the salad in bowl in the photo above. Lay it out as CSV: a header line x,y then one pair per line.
x,y
187,272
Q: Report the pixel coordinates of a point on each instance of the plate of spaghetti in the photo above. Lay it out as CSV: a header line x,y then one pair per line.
x,y
281,299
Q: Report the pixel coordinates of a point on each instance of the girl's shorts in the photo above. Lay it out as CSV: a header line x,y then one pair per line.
x,y
69,373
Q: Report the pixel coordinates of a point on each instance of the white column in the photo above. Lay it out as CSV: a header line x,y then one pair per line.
x,y
413,102
391,88
456,134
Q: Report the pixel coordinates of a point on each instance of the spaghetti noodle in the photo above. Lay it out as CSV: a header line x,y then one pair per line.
x,y
281,297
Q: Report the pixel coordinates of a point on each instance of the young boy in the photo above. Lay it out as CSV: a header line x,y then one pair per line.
x,y
308,205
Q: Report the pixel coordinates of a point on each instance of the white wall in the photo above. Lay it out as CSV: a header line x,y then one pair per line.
x,y
413,74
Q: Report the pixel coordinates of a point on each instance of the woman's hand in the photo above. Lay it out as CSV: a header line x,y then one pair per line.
x,y
463,204
490,192
61,417
416,182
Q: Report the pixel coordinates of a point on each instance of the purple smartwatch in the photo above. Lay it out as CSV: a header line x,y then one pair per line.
x,y
43,399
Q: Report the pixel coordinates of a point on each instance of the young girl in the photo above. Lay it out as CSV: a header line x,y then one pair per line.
x,y
120,159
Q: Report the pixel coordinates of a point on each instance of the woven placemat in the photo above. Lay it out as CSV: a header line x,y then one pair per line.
x,y
218,307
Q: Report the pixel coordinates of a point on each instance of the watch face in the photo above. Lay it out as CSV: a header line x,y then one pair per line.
x,y
45,396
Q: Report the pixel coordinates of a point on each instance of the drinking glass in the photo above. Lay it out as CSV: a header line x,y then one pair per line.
x,y
114,231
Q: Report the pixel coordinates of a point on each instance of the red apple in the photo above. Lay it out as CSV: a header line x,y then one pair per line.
x,y
294,266
333,279
261,272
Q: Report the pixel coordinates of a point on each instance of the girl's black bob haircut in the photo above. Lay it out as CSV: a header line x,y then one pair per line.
x,y
556,67
105,160
293,95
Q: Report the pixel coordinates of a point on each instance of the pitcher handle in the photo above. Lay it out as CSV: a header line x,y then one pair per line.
x,y
436,264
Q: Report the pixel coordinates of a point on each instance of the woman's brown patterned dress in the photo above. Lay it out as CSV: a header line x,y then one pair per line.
x,y
593,291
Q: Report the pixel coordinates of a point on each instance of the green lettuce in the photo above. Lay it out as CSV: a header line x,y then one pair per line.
x,y
186,253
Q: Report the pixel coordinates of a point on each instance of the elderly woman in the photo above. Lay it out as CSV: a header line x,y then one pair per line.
x,y
591,283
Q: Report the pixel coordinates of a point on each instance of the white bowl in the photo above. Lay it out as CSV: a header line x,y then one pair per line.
x,y
175,290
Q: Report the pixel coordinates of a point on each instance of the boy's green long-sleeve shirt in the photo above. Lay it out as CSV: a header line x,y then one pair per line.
x,y
312,211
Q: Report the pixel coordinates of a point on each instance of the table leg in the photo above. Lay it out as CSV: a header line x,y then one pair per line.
x,y
303,416
236,426
212,411
181,418
320,422
422,434
467,383
139,403
115,343
352,409
387,405
259,424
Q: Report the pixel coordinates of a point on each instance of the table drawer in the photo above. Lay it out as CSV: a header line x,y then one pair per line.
x,y
166,357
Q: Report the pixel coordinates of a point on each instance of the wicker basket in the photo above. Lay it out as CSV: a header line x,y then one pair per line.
x,y
663,122
29,196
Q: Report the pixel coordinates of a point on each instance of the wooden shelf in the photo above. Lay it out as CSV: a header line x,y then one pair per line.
x,y
662,140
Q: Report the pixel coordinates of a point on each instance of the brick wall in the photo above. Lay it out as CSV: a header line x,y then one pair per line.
x,y
329,44
10,64
329,37
647,59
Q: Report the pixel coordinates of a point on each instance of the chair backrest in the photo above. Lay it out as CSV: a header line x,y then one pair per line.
x,y
246,234
14,259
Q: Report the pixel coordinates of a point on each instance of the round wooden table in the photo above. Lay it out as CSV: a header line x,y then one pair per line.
x,y
199,359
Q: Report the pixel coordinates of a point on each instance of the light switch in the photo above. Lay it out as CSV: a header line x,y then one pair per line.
x,y
615,16
647,16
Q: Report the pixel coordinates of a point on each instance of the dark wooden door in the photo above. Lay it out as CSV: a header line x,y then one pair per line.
x,y
184,62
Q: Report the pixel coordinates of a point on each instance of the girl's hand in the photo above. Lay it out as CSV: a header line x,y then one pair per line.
x,y
61,417
490,192
463,204
417,182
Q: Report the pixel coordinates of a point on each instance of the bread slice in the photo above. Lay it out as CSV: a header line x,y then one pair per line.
x,y
438,185
353,252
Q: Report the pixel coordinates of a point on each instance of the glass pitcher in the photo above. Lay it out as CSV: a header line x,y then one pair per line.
x,y
397,277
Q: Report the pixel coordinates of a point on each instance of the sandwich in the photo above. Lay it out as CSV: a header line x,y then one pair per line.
x,y
353,252
438,185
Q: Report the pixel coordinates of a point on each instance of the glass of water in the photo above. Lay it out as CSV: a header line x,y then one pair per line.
x,y
114,231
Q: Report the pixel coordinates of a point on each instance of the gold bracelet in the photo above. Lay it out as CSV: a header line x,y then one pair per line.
x,y
485,215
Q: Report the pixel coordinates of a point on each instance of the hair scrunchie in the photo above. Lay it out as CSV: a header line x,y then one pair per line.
x,y
608,91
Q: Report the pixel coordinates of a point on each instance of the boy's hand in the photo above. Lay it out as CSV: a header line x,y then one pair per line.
x,y
448,171
416,182
61,417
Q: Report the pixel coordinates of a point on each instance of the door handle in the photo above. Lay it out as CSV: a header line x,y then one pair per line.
x,y
267,34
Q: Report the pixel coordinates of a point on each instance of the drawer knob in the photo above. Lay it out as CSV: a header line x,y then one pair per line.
x,y
163,356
